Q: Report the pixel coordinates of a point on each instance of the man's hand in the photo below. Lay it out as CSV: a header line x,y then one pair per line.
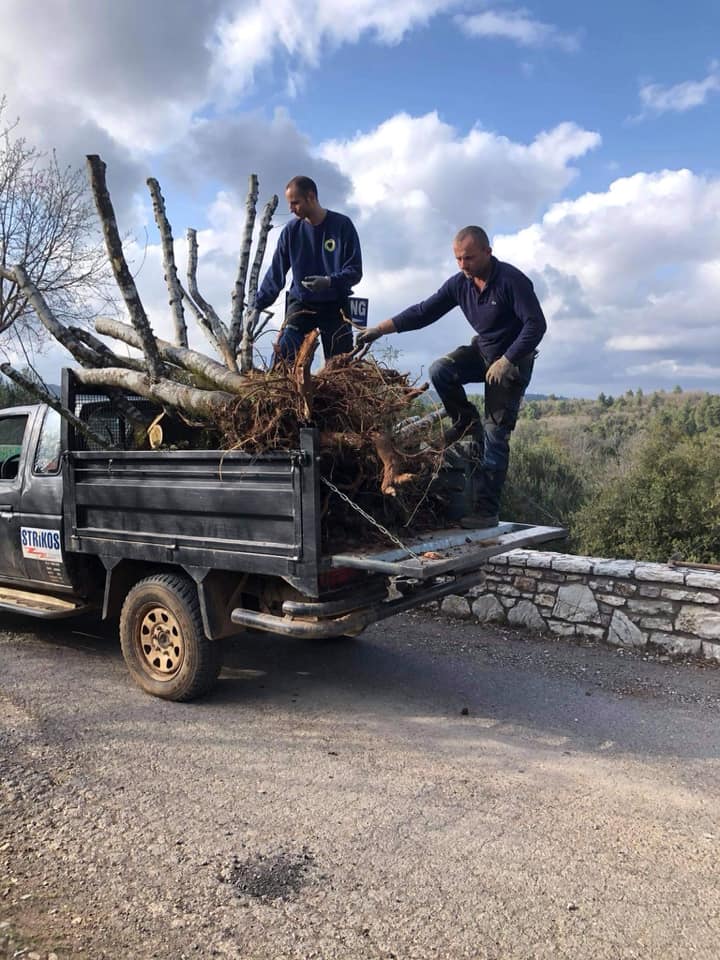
x,y
366,337
500,369
316,284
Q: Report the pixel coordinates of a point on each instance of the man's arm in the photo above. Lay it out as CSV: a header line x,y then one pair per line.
x,y
417,316
528,310
274,279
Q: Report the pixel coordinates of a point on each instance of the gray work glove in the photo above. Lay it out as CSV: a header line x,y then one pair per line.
x,y
316,284
500,369
368,336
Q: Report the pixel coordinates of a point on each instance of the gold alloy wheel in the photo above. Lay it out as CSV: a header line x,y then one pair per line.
x,y
161,642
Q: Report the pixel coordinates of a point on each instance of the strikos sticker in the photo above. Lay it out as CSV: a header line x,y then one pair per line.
x,y
39,544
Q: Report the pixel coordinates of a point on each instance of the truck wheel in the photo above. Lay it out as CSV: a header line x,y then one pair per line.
x,y
163,641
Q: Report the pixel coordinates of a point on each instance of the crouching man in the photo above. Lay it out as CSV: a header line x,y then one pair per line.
x,y
501,306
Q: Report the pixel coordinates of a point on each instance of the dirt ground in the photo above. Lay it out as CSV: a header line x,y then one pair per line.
x,y
428,790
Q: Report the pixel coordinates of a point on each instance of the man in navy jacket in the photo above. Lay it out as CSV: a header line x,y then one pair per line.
x,y
323,250
500,305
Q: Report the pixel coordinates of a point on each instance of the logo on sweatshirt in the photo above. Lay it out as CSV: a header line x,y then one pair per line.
x,y
330,245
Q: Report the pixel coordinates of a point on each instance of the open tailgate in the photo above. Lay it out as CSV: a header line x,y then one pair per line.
x,y
447,561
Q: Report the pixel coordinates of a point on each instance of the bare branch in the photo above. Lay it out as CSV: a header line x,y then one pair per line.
x,y
56,329
211,320
197,363
44,396
206,404
123,277
238,297
171,278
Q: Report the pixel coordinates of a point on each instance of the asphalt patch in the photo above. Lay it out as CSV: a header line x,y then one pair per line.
x,y
276,876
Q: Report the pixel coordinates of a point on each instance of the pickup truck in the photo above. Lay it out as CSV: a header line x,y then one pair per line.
x,y
187,546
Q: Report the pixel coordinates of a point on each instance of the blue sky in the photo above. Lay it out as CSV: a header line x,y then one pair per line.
x,y
583,137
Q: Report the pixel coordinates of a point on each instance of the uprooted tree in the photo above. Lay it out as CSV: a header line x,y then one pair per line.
x,y
355,402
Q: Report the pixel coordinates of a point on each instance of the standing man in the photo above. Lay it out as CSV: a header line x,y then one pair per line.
x,y
323,250
500,304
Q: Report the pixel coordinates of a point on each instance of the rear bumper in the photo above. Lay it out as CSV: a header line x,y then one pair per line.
x,y
324,625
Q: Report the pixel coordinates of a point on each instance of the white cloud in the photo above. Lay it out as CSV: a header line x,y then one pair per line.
x,y
633,270
250,35
518,26
681,96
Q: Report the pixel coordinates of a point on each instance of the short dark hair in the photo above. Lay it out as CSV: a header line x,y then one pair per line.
x,y
305,185
477,233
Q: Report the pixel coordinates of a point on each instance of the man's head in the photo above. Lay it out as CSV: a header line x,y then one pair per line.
x,y
473,252
302,197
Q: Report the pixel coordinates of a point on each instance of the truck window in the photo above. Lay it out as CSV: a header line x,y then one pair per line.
x,y
12,431
47,458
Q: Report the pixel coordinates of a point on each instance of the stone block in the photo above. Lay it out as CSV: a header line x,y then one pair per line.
x,y
561,628
568,564
526,614
516,558
622,632
576,603
711,651
625,589
611,601
544,599
660,572
586,630
457,607
656,623
675,644
706,579
488,609
540,560
649,590
614,568
524,583
700,621
688,596
651,607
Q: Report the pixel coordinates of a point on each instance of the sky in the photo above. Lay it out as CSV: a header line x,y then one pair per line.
x,y
585,138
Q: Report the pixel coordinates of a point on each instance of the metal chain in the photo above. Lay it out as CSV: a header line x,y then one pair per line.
x,y
372,520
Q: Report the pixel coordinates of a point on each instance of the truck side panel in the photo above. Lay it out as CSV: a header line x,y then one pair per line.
x,y
199,509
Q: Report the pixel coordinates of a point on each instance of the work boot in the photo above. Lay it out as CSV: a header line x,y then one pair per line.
x,y
479,521
462,428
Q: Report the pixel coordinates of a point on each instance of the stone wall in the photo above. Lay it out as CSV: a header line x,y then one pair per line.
x,y
622,602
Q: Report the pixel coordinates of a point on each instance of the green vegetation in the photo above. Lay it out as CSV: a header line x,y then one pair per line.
x,y
11,395
634,476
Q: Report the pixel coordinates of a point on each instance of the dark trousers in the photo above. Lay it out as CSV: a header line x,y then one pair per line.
x,y
502,405
301,317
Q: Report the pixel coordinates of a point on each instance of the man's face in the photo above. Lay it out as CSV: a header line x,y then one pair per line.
x,y
299,204
473,258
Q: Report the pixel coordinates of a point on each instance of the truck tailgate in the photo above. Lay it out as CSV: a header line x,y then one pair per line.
x,y
447,552
448,561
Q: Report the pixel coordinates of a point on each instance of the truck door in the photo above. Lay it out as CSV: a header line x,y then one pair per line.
x,y
13,429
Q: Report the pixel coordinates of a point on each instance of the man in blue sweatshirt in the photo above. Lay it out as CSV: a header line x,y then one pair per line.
x,y
323,250
500,305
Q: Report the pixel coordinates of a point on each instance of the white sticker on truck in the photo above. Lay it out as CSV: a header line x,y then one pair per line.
x,y
38,544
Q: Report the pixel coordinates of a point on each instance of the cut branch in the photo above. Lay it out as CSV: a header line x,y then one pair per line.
x,y
45,397
211,322
205,404
123,277
238,297
174,286
197,363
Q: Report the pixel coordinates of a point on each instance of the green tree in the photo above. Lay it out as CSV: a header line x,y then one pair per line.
x,y
667,502
544,485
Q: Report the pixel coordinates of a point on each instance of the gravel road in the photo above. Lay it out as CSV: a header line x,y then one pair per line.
x,y
428,790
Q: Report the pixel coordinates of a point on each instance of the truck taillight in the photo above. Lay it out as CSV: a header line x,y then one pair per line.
x,y
338,577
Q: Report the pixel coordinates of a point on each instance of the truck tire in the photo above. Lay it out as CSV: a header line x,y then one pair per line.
x,y
163,640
